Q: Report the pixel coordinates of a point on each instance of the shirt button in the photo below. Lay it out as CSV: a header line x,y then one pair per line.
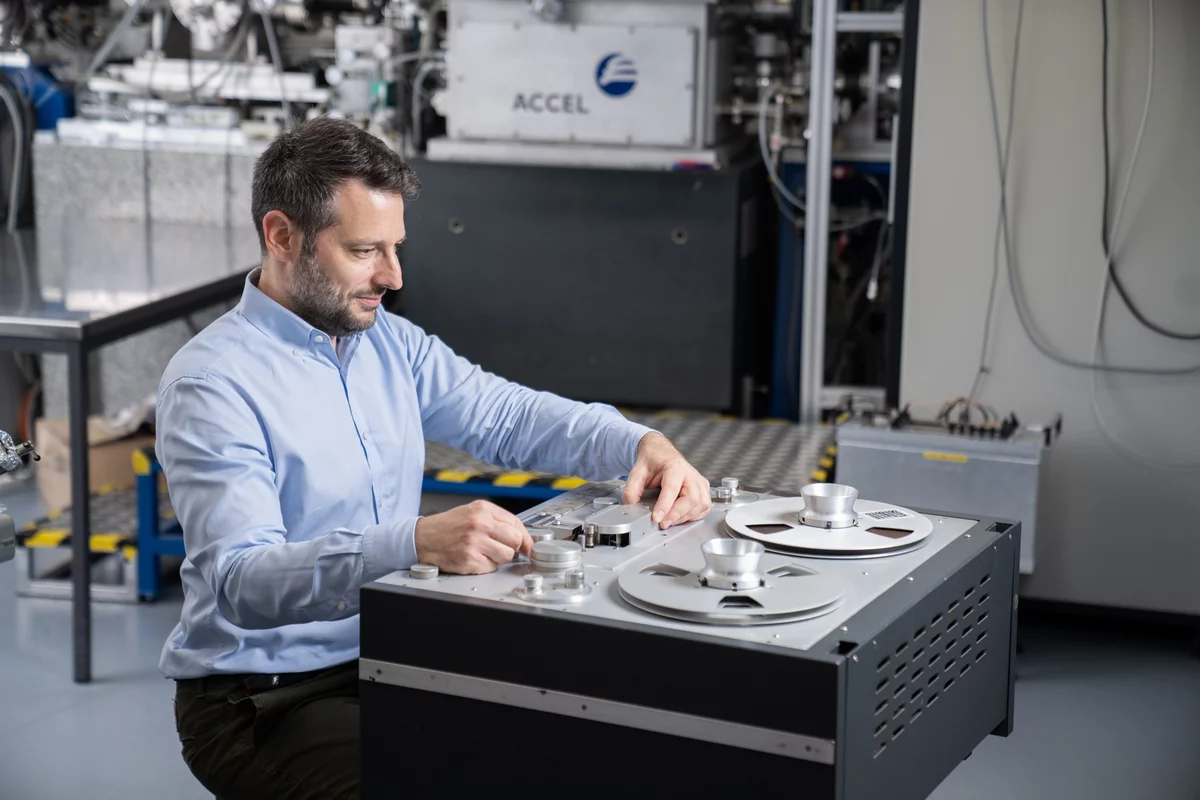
x,y
295,352
320,339
341,606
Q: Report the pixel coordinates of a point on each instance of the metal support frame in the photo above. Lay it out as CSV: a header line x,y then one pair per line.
x,y
153,538
77,342
34,583
81,527
818,164
76,351
901,179
827,23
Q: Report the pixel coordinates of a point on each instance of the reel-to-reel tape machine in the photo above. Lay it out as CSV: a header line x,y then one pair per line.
x,y
850,648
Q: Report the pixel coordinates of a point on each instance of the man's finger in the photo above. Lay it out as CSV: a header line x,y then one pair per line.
x,y
635,485
702,496
508,530
683,507
526,543
694,503
497,551
672,482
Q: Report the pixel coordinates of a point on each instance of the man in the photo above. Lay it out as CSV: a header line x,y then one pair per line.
x,y
292,435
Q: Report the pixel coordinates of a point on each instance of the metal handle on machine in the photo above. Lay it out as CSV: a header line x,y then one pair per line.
x,y
12,458
12,455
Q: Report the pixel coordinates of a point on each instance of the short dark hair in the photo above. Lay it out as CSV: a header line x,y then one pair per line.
x,y
302,168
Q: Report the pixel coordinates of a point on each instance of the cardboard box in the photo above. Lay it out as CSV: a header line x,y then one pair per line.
x,y
110,459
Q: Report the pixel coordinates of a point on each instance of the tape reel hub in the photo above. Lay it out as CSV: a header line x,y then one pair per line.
x,y
829,506
731,564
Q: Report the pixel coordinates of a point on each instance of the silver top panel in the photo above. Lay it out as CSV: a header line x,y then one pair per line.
x,y
57,278
1024,445
862,581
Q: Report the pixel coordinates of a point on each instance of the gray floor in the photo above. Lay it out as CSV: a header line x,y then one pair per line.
x,y
1102,714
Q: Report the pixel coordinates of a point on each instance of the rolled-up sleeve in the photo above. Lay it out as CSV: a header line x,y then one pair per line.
x,y
217,460
512,426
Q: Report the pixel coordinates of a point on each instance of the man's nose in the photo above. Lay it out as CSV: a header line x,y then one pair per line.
x,y
389,274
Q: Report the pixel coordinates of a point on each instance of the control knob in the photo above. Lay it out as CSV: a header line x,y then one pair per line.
x,y
726,491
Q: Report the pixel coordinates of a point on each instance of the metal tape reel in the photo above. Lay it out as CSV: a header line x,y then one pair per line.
x,y
880,530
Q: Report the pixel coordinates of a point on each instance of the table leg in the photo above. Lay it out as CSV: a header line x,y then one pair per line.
x,y
81,528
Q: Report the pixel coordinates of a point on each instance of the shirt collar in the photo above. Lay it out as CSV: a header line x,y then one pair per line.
x,y
279,323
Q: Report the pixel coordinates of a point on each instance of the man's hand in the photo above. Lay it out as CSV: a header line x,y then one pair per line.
x,y
683,492
471,539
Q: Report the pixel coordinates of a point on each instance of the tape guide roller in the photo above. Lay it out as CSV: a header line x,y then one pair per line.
x,y
860,647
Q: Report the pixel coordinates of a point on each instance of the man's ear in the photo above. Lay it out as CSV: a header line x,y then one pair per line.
x,y
282,236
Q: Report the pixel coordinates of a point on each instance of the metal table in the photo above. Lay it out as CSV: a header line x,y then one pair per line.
x,y
72,288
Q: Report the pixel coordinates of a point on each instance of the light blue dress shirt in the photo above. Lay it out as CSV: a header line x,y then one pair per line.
x,y
296,473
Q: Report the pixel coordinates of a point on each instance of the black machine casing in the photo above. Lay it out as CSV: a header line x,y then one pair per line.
x,y
577,280
896,697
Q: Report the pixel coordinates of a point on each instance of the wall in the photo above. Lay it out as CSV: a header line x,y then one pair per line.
x,y
1112,531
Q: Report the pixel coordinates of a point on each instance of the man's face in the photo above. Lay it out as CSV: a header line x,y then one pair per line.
x,y
338,283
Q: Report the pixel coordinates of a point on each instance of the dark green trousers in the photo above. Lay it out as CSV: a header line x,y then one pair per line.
x,y
290,743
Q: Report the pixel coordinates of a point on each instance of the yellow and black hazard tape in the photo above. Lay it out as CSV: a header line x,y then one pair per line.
x,y
826,466
143,461
508,480
34,536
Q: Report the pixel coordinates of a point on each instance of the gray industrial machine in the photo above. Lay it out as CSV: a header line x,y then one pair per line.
x,y
963,469
845,647
619,83
12,458
643,133
634,140
648,84
585,152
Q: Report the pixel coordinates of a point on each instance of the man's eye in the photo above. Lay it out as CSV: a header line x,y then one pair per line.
x,y
363,253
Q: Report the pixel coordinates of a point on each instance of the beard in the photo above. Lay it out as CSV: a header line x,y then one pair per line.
x,y
316,299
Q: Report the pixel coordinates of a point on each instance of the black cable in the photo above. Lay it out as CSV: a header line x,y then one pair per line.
x,y
883,252
1024,316
1104,232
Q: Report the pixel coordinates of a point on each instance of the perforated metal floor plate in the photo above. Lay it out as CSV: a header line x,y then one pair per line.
x,y
760,453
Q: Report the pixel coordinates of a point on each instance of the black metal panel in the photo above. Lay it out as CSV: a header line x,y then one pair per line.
x,y
629,287
640,665
926,687
413,739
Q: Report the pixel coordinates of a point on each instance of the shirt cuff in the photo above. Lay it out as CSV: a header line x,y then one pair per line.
x,y
387,548
620,447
